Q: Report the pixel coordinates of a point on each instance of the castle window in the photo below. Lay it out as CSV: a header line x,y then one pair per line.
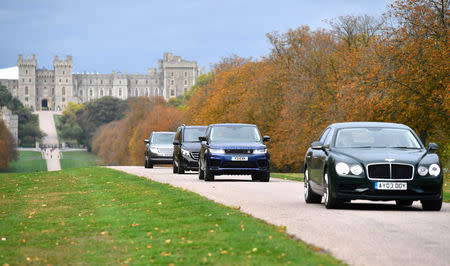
x,y
67,81
26,71
110,92
120,82
59,80
171,74
156,81
185,82
185,74
146,82
26,99
29,80
81,92
63,91
146,91
136,82
120,92
101,93
172,92
23,80
136,92
90,92
64,73
90,81
64,99
45,81
26,90
101,81
53,91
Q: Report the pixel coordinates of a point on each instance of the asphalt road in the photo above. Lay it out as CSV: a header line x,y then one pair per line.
x,y
363,233
47,125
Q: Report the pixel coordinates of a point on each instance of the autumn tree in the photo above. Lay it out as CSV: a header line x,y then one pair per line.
x,y
8,150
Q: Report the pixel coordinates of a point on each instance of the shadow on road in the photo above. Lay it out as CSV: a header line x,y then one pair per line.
x,y
379,207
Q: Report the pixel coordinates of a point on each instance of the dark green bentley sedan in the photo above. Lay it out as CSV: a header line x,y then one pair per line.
x,y
372,161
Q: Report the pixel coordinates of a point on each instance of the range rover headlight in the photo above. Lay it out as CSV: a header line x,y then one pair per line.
x,y
260,151
356,169
217,151
154,149
422,170
434,170
342,168
185,152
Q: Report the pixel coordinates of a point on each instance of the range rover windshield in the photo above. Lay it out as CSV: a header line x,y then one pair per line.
x,y
192,134
223,134
163,138
376,137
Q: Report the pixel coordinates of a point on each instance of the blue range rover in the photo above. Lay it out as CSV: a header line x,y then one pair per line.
x,y
234,149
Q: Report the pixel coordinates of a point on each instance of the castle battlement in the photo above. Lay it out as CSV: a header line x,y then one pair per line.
x,y
42,89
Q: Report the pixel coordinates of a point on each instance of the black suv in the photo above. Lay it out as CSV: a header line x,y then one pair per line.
x,y
159,148
186,147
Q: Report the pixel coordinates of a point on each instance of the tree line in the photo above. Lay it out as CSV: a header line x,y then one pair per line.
x,y
393,69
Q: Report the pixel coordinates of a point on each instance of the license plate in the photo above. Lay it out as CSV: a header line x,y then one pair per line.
x,y
239,158
390,185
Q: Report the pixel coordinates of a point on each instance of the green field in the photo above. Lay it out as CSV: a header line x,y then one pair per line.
x,y
289,176
101,216
29,161
447,187
75,159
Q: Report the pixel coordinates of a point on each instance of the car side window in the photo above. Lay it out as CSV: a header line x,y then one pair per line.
x,y
208,130
324,135
329,137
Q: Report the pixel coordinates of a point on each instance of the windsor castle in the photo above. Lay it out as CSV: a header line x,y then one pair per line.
x,y
42,89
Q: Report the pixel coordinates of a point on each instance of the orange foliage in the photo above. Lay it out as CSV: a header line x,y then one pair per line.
x,y
122,142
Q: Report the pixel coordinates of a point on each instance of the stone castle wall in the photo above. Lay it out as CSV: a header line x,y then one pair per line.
x,y
42,89
11,122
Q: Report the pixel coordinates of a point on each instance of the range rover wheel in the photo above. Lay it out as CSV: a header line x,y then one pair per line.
x,y
208,175
149,164
432,205
310,196
174,167
180,170
264,177
404,202
255,177
146,163
330,201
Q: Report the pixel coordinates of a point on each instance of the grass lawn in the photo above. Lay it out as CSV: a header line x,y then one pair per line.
x,y
289,176
100,216
447,187
29,161
75,159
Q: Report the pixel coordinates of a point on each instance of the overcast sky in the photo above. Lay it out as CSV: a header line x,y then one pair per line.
x,y
132,35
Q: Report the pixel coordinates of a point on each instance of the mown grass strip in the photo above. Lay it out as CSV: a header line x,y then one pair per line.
x,y
446,187
101,216
29,161
288,176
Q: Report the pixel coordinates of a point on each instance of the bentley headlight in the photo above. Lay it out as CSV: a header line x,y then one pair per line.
x,y
422,170
185,152
154,149
217,151
260,151
434,169
342,168
356,169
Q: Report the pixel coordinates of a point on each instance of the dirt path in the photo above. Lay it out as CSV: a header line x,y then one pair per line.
x,y
363,233
47,125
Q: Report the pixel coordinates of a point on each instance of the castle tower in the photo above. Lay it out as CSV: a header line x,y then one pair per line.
x,y
27,81
63,82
